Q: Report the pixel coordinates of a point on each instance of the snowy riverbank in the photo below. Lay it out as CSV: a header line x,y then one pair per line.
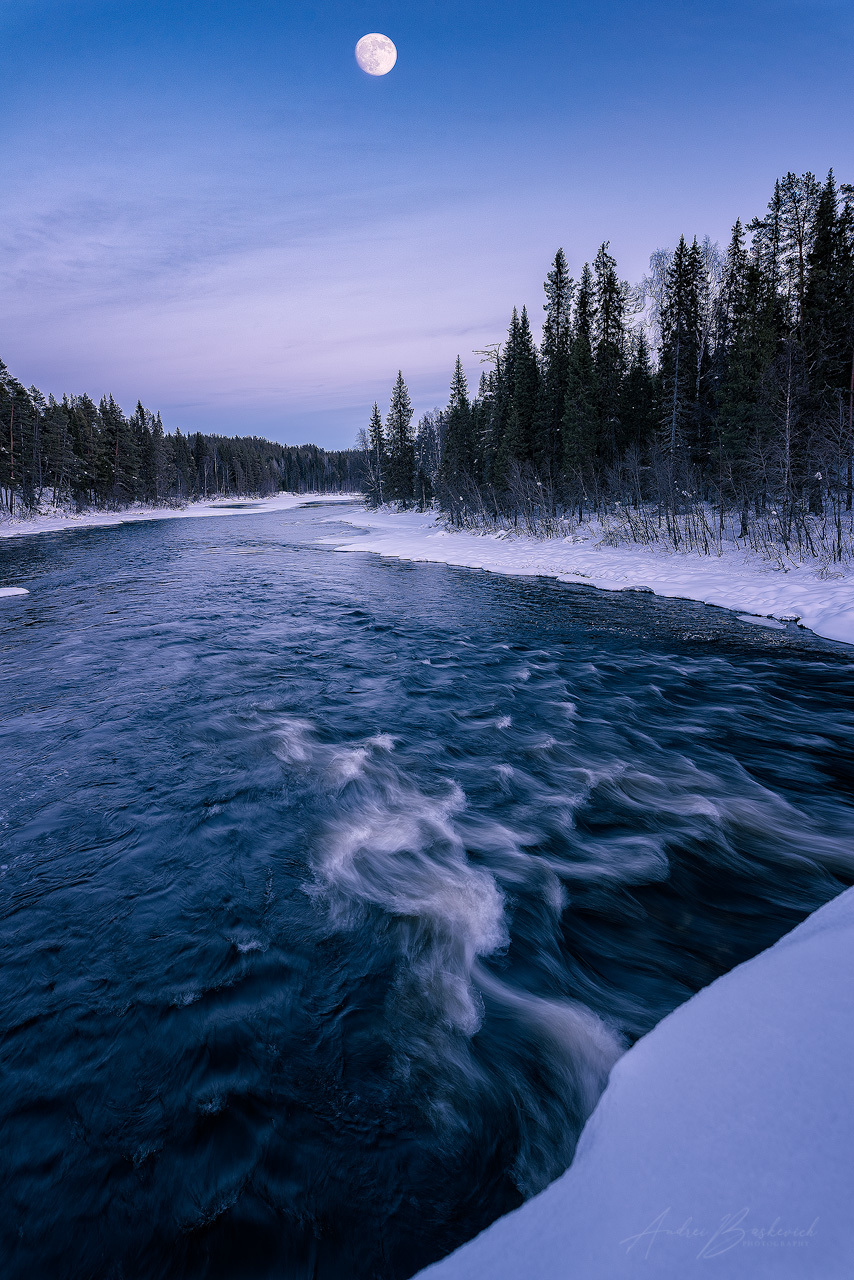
x,y
54,521
722,1144
735,580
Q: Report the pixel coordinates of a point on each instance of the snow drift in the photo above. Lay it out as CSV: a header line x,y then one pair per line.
x,y
723,1143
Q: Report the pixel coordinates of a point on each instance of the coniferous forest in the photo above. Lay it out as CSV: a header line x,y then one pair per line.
x,y
75,452
712,401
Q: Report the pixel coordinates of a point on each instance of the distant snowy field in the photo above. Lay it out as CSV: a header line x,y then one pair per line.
x,y
735,580
723,1143
52,522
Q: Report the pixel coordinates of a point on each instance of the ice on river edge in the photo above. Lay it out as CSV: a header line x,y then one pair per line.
x,y
735,580
722,1144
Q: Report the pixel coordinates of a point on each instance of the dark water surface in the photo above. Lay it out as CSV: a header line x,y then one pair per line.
x,y
332,887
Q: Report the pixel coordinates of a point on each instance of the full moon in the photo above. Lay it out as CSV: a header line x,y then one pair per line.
x,y
376,54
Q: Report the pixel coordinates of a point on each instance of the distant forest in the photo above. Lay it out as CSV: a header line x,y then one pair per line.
x,y
713,400
77,452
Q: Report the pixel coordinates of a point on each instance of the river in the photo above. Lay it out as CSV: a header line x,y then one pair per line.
x,y
333,886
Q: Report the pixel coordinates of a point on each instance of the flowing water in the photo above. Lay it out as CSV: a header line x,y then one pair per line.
x,y
332,887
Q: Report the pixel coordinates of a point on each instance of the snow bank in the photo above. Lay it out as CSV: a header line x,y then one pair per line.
x,y
724,1143
51,522
734,580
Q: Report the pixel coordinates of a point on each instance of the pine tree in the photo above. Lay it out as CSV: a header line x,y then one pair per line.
x,y
742,351
377,458
680,349
163,464
458,455
554,366
767,239
59,461
611,342
117,461
429,438
526,380
400,445
488,418
580,417
828,306
522,377
15,414
638,400
800,200
494,467
84,429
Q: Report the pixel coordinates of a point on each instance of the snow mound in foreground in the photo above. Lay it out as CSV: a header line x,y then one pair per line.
x,y
724,1143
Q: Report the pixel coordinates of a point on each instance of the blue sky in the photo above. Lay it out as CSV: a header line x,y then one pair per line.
x,y
208,205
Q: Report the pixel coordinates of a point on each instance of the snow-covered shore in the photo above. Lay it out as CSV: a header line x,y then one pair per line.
x,y
723,1143
735,580
52,522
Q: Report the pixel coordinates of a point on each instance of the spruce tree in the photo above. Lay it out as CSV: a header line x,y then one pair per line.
x,y
488,420
828,308
580,417
638,399
400,445
377,458
554,365
163,465
526,380
611,342
680,349
522,375
458,454
496,453
740,357
118,454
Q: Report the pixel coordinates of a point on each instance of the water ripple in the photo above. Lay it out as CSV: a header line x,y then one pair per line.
x,y
332,888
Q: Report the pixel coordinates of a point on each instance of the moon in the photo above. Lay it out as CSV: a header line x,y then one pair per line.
x,y
376,54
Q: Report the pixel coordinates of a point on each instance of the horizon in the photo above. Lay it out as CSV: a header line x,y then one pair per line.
x,y
222,216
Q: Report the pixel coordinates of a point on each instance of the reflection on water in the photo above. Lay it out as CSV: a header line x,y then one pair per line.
x,y
332,887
